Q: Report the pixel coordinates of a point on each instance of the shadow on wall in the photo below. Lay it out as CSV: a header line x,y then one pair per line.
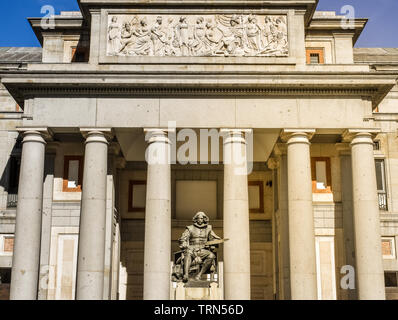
x,y
10,176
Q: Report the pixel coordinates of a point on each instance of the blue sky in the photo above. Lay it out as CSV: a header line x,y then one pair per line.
x,y
381,30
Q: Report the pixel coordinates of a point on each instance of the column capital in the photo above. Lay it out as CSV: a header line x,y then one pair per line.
x,y
41,133
114,148
153,135
120,163
280,149
87,131
235,130
102,135
355,136
273,163
235,135
297,135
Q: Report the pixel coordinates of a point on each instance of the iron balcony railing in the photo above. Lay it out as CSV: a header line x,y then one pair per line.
x,y
382,201
12,200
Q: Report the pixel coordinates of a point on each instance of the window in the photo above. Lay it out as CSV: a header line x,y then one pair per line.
x,y
390,279
381,184
315,56
15,164
376,145
321,175
256,196
6,244
137,196
388,247
12,196
73,174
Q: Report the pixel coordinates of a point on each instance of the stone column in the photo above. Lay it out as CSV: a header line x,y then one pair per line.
x,y
301,218
347,207
370,272
25,265
91,254
236,217
114,150
280,152
48,187
157,252
273,164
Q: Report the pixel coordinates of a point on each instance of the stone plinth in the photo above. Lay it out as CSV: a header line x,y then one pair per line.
x,y
210,291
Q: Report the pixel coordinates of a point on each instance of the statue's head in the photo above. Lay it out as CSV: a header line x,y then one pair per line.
x,y
200,219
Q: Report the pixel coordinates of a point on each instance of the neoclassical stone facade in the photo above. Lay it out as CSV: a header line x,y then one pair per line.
x,y
134,116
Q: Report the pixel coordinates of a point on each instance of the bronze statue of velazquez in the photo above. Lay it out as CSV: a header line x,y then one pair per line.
x,y
198,244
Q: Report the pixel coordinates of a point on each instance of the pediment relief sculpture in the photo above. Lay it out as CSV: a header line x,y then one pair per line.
x,y
198,36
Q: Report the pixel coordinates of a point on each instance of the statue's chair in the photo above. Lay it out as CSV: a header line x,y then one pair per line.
x,y
196,266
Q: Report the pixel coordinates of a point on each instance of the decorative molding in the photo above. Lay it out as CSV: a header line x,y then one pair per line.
x,y
172,91
107,132
288,133
206,35
350,134
45,132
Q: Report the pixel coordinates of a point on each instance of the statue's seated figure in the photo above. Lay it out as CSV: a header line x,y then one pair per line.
x,y
197,256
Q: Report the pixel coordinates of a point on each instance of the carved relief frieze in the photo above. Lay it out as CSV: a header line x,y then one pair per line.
x,y
197,35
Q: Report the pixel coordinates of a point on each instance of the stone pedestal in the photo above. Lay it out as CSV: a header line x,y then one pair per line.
x,y
210,292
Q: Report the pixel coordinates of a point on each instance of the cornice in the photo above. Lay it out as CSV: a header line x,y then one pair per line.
x,y
308,6
24,85
32,91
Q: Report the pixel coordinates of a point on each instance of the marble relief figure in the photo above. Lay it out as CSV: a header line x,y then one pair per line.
x,y
197,36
